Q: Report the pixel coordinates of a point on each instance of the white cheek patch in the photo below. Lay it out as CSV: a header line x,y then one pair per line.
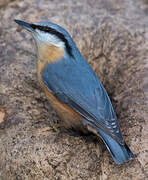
x,y
48,38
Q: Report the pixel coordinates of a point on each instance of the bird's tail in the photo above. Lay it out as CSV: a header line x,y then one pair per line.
x,y
119,153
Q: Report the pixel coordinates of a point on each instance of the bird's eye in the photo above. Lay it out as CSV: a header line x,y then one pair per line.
x,y
33,26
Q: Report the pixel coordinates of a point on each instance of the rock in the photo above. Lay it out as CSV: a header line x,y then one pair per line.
x,y
113,37
4,3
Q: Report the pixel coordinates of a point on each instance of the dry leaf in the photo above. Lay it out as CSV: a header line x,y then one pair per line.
x,y
2,114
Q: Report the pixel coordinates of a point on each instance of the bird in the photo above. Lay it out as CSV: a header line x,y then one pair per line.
x,y
73,89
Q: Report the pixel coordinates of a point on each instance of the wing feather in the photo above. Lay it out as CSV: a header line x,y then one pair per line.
x,y
77,85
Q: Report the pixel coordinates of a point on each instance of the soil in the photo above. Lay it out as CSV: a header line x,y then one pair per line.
x,y
113,37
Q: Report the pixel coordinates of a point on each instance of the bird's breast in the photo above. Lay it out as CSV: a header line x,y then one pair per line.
x,y
49,53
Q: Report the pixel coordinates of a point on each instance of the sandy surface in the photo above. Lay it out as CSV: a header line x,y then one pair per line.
x,y
113,36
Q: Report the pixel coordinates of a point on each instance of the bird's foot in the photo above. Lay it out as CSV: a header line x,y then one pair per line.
x,y
56,128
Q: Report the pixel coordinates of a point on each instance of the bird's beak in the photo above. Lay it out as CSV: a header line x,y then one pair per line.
x,y
24,25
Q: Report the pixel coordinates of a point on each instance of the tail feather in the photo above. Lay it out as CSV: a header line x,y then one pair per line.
x,y
119,153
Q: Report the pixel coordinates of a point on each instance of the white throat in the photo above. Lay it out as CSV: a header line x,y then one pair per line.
x,y
48,38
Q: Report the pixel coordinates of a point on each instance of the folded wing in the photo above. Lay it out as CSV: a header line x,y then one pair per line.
x,y
76,85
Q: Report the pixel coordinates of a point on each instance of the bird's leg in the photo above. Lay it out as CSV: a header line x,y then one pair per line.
x,y
56,128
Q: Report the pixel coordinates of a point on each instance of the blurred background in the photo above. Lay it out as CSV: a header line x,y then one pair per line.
x,y
113,37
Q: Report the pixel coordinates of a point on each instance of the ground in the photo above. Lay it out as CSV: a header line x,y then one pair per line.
x,y
113,37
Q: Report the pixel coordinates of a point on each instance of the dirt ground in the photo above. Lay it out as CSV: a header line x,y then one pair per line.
x,y
113,36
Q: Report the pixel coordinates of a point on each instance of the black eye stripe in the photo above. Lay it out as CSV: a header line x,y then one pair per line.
x,y
56,33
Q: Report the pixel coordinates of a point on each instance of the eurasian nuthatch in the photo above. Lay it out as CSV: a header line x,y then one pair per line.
x,y
73,89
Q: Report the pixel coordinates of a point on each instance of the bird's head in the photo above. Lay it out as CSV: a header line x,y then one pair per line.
x,y
51,39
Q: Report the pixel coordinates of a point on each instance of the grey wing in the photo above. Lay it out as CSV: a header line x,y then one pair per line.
x,y
86,95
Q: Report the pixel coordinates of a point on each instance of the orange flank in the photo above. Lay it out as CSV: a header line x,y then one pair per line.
x,y
71,119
